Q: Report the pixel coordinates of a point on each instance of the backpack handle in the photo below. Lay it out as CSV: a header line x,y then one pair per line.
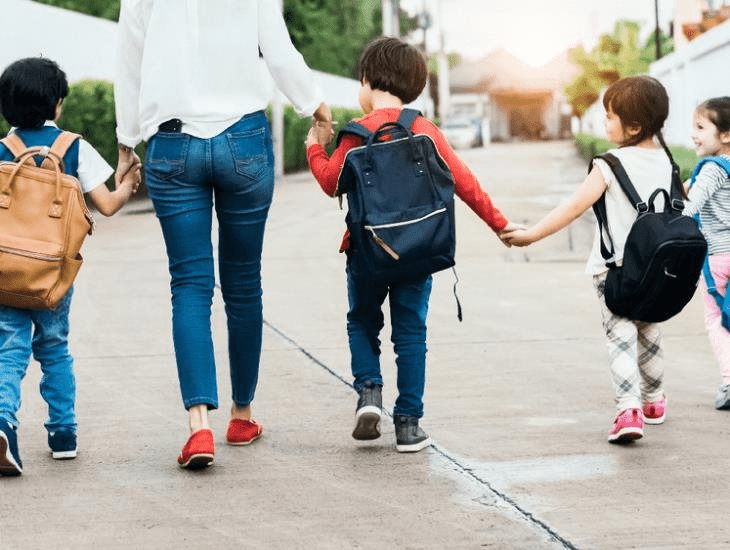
x,y
6,192
655,194
385,129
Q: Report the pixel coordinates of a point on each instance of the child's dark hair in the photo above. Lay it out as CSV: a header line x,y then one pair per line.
x,y
30,89
717,110
640,101
391,65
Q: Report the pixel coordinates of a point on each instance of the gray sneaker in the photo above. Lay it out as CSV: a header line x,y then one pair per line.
x,y
369,412
409,437
722,400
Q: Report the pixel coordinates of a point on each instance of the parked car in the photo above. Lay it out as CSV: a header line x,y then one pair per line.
x,y
463,133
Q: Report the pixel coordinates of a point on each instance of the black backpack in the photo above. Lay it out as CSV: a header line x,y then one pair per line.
x,y
400,196
663,255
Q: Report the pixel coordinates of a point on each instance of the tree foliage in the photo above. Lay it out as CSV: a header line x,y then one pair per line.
x,y
616,56
331,34
108,9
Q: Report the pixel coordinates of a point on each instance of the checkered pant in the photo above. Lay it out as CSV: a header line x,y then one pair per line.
x,y
634,355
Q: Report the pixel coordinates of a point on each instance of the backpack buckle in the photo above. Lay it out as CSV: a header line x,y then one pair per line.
x,y
642,207
678,204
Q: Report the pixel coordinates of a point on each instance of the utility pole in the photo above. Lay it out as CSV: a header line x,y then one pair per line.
x,y
444,86
657,32
391,17
277,125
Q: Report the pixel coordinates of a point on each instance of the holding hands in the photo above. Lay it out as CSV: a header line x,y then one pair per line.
x,y
517,235
322,130
128,169
513,235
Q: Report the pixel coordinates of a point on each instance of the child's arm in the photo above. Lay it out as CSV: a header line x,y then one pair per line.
x,y
584,197
708,181
327,170
466,185
109,202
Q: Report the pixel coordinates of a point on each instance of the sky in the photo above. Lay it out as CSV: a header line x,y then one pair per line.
x,y
533,30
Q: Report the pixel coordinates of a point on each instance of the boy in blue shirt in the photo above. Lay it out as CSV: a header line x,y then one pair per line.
x,y
32,91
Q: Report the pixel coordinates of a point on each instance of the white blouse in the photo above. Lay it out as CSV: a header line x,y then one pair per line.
x,y
198,61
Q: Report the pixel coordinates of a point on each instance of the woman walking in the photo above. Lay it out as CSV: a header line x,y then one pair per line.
x,y
189,82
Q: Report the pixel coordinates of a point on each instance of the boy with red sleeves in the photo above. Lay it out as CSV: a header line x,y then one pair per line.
x,y
392,73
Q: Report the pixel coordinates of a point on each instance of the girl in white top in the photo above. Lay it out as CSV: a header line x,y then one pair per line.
x,y
636,108
710,198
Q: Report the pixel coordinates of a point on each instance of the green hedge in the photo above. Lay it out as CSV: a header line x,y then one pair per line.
x,y
590,146
295,132
89,111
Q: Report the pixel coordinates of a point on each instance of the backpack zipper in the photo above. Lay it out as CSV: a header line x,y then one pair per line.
x,y
32,255
383,244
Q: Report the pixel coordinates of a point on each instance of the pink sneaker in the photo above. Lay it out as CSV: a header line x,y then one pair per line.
x,y
655,411
628,426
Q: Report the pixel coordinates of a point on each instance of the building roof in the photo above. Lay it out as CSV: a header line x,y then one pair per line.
x,y
502,72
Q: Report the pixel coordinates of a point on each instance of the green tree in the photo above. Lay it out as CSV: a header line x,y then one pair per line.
x,y
616,55
108,9
330,34
666,46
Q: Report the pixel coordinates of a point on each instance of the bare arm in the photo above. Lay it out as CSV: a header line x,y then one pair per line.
x,y
582,199
109,202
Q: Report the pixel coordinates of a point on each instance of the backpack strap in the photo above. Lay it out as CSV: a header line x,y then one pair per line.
x,y
14,144
706,271
599,208
408,117
61,145
354,129
624,182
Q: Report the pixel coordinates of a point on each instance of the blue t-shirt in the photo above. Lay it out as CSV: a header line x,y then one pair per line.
x,y
45,136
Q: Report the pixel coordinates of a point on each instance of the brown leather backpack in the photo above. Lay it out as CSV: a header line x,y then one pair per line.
x,y
43,223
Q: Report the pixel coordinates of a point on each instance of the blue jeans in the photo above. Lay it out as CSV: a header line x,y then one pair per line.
x,y
185,176
408,310
44,334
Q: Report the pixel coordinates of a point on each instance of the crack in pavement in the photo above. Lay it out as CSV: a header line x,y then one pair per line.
x,y
462,468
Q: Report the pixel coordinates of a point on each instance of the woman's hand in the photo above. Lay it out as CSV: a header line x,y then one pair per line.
x,y
132,178
126,161
323,113
321,133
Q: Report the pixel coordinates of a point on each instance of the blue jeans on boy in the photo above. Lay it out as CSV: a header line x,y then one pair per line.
x,y
408,310
185,176
44,334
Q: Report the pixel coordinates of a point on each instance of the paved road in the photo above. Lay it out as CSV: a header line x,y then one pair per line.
x,y
518,402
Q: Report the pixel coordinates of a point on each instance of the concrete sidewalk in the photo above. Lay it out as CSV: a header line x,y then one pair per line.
x,y
518,402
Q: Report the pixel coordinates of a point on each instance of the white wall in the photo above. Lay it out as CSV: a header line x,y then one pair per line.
x,y
83,46
696,72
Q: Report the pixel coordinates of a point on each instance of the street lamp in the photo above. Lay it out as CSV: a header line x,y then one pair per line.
x,y
657,36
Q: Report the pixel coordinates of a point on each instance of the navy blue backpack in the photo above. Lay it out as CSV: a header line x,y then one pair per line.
x,y
723,302
400,196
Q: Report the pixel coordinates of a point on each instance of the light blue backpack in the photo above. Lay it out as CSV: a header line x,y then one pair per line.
x,y
723,302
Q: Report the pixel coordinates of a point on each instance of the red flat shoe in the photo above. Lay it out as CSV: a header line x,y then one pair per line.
x,y
198,452
243,432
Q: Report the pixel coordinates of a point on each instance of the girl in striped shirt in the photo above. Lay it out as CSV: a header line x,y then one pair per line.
x,y
710,198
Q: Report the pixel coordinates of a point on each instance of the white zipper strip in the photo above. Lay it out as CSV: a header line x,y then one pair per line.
x,y
408,222
28,254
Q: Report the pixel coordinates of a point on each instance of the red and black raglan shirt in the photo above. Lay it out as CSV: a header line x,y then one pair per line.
x,y
327,170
